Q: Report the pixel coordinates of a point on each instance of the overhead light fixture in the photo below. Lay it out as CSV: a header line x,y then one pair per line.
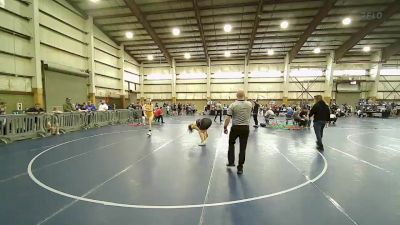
x,y
284,24
94,1
367,49
270,52
187,56
129,34
227,54
317,50
176,31
346,21
390,72
306,73
227,75
228,28
150,57
269,73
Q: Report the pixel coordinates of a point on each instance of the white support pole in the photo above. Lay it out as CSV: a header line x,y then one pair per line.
x,y
90,54
375,73
209,79
286,73
141,73
246,77
173,80
330,65
121,72
37,80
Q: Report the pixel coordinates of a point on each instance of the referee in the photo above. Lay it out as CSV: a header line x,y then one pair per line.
x,y
240,113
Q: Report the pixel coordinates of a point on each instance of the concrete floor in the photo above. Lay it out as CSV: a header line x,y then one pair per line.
x,y
117,175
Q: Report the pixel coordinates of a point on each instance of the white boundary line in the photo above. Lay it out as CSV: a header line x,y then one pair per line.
x,y
115,204
66,159
364,146
106,181
335,203
358,159
211,177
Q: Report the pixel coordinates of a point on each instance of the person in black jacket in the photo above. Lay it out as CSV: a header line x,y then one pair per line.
x,y
321,113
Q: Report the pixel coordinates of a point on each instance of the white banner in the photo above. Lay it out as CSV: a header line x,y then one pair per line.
x,y
2,3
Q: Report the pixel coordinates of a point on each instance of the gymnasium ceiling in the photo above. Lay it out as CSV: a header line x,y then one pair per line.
x,y
256,27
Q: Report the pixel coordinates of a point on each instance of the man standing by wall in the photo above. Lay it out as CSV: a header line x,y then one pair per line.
x,y
256,108
218,108
68,107
321,113
240,113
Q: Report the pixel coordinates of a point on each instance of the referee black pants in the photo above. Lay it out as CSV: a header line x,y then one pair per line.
x,y
219,112
241,132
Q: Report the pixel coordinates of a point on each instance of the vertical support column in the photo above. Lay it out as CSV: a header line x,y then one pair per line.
x,y
246,78
173,80
286,73
37,80
141,73
121,62
375,73
329,77
208,86
90,54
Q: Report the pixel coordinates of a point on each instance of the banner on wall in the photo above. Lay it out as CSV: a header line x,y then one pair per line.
x,y
2,4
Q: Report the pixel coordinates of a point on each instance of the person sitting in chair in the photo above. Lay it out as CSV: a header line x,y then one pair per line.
x,y
298,119
289,114
269,114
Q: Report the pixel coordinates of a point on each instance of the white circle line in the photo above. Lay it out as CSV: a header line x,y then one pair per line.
x,y
107,203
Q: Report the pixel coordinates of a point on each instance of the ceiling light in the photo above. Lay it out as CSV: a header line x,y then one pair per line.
x,y
227,54
176,31
94,1
346,21
367,49
187,56
270,52
129,34
227,28
284,24
150,57
317,50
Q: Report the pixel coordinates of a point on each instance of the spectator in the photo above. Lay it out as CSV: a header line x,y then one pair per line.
x,y
90,106
35,110
68,107
158,114
269,114
103,106
54,125
298,119
179,109
304,115
3,108
321,113
255,109
218,108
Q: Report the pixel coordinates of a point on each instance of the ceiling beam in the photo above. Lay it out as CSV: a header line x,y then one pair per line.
x,y
200,25
142,19
390,50
254,31
391,9
322,13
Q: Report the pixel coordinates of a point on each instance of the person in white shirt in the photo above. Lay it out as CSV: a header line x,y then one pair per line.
x,y
269,114
103,106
